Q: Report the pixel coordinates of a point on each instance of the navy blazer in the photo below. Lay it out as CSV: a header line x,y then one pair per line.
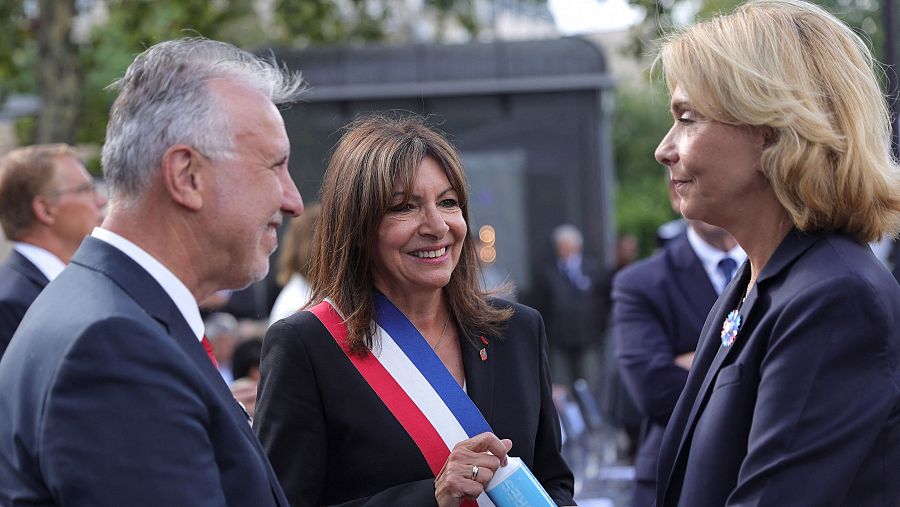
x,y
659,306
110,400
895,258
20,283
314,404
804,407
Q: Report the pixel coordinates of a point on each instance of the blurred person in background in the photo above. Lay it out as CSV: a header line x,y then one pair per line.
x,y
245,368
659,307
628,250
574,295
111,392
223,334
48,204
781,136
293,264
399,326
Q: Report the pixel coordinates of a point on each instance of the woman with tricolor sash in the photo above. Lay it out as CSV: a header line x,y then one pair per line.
x,y
402,383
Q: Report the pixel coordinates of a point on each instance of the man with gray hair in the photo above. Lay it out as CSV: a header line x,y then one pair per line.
x,y
109,396
575,303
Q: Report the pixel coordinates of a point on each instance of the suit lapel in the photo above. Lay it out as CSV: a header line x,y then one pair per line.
x,y
179,330
144,289
688,269
480,374
99,256
724,352
711,355
20,263
682,421
714,354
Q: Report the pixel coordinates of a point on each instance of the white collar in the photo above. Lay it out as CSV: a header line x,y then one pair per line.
x,y
170,283
710,256
48,263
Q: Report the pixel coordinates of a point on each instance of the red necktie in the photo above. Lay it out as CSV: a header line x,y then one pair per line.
x,y
209,351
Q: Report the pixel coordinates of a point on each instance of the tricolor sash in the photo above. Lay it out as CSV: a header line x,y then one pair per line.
x,y
412,382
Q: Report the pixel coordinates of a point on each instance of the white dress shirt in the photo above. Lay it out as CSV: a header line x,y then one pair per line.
x,y
710,257
170,283
48,264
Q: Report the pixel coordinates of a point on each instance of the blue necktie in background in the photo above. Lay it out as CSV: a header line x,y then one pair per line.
x,y
727,266
576,276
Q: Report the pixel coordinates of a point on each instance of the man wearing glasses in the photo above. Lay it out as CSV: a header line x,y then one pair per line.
x,y
47,206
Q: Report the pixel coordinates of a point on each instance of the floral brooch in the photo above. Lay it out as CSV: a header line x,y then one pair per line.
x,y
730,328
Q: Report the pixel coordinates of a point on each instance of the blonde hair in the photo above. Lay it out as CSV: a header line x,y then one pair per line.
x,y
796,71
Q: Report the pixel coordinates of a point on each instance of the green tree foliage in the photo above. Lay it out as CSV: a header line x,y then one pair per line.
x,y
129,26
18,49
642,204
133,26
864,16
306,22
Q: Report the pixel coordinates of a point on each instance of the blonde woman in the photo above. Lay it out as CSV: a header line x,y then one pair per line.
x,y
781,137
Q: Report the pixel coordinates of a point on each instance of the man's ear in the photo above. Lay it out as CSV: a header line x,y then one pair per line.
x,y
43,209
184,171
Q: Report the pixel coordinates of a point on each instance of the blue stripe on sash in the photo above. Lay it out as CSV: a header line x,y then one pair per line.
x,y
417,350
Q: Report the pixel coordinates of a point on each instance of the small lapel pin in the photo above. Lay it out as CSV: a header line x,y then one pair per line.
x,y
483,351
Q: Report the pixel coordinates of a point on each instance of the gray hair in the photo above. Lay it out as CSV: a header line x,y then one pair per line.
x,y
164,100
220,323
567,232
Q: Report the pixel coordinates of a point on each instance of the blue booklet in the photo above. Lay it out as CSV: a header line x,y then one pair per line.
x,y
515,486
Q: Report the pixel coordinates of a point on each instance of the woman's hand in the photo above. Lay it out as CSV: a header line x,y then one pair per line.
x,y
470,466
685,360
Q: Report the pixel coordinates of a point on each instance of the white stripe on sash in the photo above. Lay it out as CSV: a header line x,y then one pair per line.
x,y
419,390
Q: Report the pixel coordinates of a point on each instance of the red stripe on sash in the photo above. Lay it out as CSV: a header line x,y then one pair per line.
x,y
394,397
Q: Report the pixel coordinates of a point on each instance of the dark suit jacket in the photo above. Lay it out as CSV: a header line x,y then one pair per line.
x,y
895,259
20,283
804,407
659,306
110,400
576,319
314,404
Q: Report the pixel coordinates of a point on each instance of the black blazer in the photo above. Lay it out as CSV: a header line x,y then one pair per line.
x,y
332,441
804,407
659,306
109,399
20,283
575,318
